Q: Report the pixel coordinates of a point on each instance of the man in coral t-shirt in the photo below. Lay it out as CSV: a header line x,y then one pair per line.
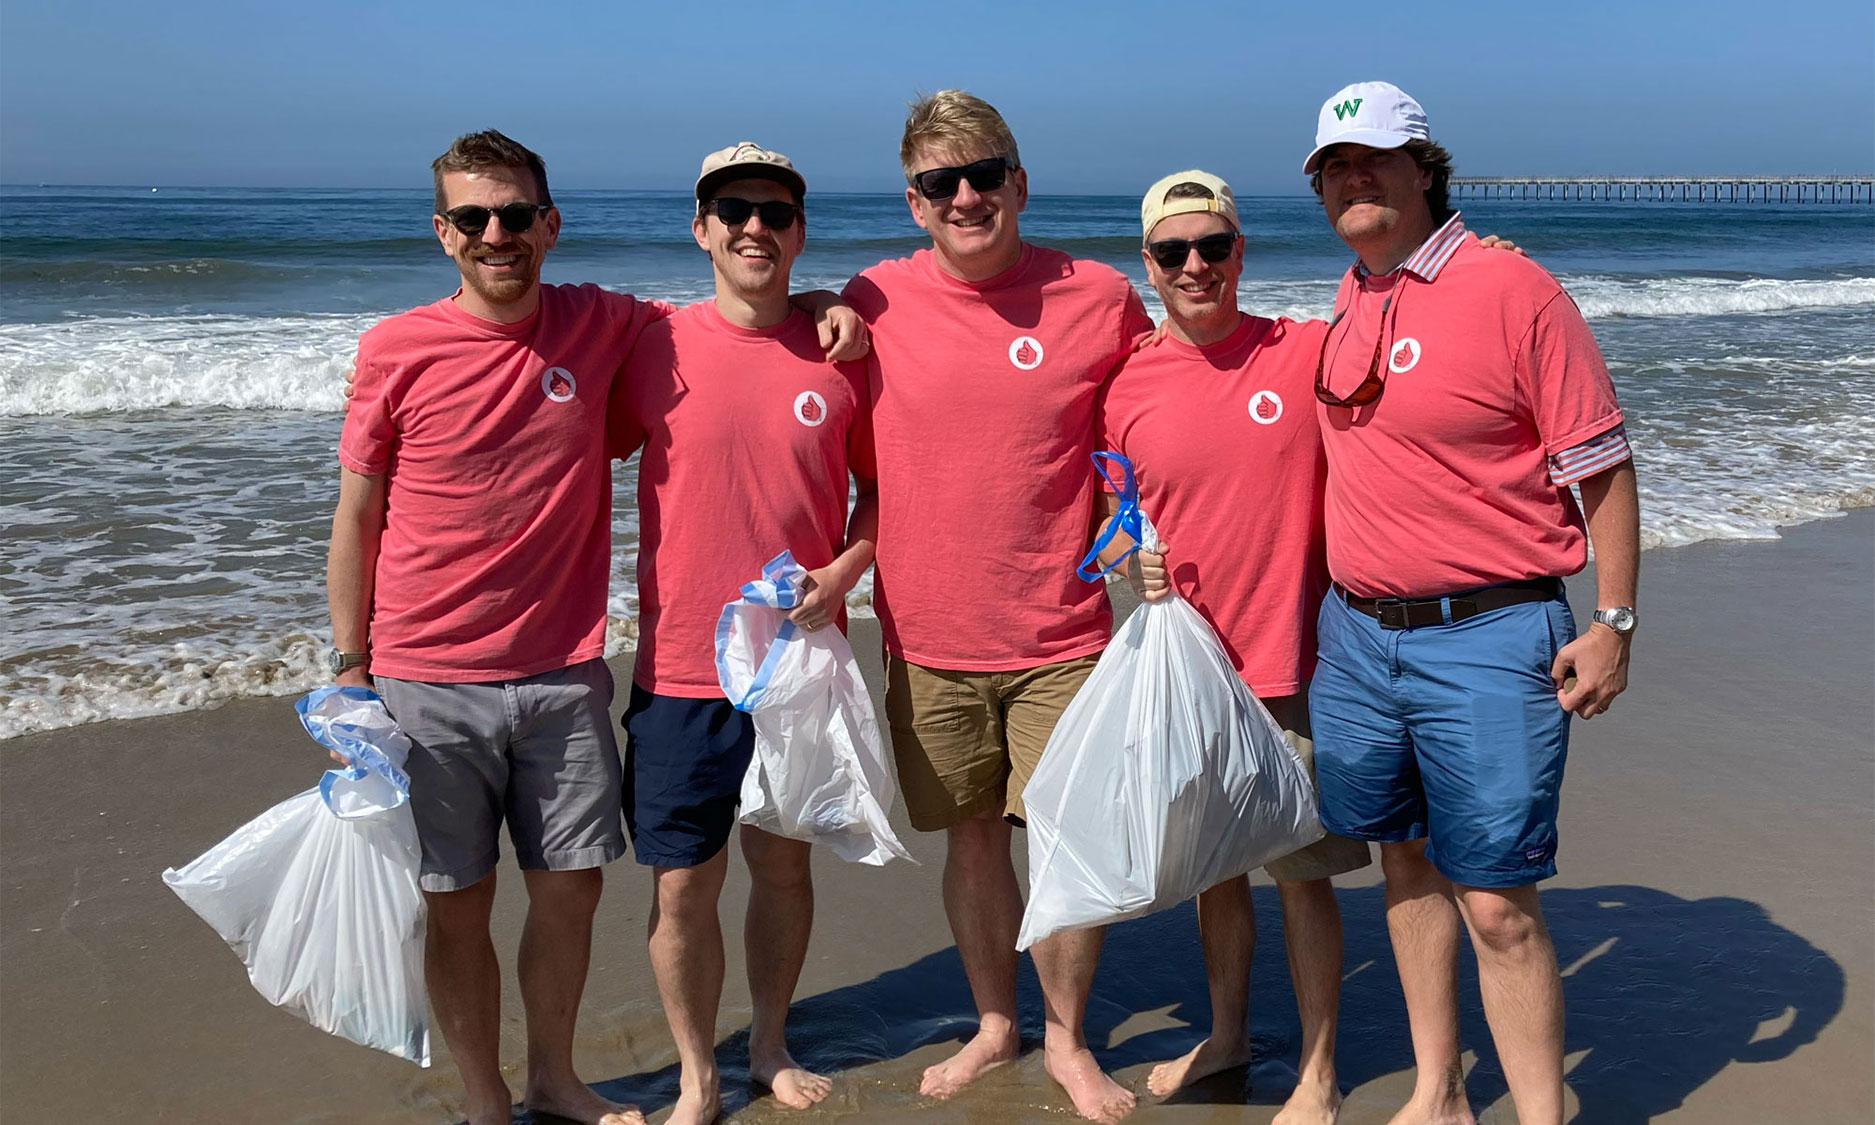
x,y
467,582
1461,395
1219,423
988,355
748,437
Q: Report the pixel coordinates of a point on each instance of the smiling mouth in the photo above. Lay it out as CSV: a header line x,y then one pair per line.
x,y
755,253
499,261
1357,200
979,221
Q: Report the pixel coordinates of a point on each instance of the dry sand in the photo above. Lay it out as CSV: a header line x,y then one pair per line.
x,y
1714,916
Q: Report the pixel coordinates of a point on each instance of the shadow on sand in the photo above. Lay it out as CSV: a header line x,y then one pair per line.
x,y
1662,992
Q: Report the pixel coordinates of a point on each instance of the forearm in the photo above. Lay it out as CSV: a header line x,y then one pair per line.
x,y
815,302
862,536
351,560
1105,509
1611,502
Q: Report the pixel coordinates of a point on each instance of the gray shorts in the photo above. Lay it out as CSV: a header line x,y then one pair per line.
x,y
537,752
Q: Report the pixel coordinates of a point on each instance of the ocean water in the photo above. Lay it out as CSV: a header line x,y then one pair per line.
x,y
170,367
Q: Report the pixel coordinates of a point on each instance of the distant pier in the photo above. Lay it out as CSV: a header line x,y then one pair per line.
x,y
1682,189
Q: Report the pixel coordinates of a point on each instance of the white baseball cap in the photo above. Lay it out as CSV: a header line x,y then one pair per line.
x,y
748,160
1375,114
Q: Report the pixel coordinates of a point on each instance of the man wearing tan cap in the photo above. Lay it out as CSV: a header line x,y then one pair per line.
x,y
1215,416
748,438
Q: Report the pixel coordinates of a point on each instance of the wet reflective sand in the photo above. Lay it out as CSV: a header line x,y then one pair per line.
x,y
1713,917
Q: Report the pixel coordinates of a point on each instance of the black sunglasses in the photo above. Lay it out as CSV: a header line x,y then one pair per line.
x,y
941,183
516,218
776,215
1368,392
1171,253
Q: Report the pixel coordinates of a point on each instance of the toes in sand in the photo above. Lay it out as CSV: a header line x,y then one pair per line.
x,y
1096,1096
984,1053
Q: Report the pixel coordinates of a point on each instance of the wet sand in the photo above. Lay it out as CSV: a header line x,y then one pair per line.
x,y
1714,916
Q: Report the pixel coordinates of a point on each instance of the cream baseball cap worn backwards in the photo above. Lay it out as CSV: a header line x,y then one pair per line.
x,y
1375,114
746,160
1156,206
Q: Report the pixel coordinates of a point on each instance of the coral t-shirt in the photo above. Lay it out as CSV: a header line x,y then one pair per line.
x,y
748,436
1228,457
1444,483
983,411
497,534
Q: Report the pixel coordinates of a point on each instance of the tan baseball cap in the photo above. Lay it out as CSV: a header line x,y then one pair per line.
x,y
1156,206
746,160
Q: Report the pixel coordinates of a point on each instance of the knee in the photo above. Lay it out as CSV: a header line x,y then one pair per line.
x,y
1501,924
565,892
464,910
979,841
783,866
1406,866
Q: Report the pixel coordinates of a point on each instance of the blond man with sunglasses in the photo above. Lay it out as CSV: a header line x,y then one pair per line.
x,y
988,354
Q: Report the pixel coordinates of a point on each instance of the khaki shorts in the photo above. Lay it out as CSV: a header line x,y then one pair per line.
x,y
967,742
1332,854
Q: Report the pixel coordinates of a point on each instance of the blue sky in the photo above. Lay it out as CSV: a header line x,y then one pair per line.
x,y
1101,97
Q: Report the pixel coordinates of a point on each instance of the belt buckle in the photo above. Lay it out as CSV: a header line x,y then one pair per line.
x,y
1391,613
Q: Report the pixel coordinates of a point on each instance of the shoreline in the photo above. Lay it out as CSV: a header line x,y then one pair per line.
x,y
1704,934
303,651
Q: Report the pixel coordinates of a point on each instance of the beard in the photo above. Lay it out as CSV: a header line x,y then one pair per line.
x,y
503,290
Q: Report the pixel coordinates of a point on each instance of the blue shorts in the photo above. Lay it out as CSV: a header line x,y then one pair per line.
x,y
684,761
1451,732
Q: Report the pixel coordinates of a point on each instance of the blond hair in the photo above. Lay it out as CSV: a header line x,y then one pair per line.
x,y
955,119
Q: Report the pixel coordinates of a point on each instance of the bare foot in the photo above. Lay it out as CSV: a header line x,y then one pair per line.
x,y
1311,1103
1096,1096
986,1051
1418,1112
491,1104
696,1107
1202,1061
792,1084
576,1101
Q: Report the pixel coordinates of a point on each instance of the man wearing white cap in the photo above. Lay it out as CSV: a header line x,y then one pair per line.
x,y
748,437
1216,417
1460,395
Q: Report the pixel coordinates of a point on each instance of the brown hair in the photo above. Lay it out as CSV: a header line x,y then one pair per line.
x,y
1189,190
476,152
956,119
1431,157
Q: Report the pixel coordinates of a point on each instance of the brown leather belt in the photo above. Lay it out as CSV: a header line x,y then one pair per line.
x,y
1411,613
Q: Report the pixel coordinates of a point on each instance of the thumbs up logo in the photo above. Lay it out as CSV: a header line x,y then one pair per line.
x,y
1405,356
810,409
1265,407
1026,352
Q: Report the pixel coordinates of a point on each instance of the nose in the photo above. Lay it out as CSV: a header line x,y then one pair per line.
x,y
753,224
493,233
1194,262
966,196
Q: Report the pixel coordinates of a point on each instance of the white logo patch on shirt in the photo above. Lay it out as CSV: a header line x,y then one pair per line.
x,y
558,384
1404,357
809,408
1265,407
1026,352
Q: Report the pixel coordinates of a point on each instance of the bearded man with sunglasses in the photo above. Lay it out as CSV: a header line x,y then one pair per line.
x,y
748,437
988,355
1461,395
467,583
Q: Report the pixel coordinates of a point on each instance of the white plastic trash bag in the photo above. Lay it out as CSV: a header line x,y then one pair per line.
x,y
1163,777
820,772
318,895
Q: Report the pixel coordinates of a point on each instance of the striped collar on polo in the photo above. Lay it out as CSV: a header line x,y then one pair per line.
x,y
1426,262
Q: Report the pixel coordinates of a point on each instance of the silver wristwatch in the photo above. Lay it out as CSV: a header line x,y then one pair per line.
x,y
337,661
1620,618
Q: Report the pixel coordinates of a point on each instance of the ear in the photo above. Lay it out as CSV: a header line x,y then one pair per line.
x,y
551,235
1021,178
443,231
916,202
699,230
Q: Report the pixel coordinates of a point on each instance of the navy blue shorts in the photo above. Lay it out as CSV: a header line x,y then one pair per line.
x,y
1451,732
684,761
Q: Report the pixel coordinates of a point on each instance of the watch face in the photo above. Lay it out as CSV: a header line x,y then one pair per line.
x,y
1620,619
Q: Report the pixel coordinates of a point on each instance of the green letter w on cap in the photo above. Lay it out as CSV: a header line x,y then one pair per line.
x,y
1347,109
